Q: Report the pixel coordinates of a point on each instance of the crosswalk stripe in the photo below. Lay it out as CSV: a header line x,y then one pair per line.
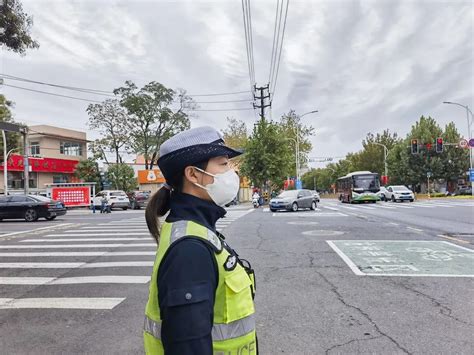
x,y
61,303
87,230
67,246
80,240
94,234
77,253
73,265
331,208
74,280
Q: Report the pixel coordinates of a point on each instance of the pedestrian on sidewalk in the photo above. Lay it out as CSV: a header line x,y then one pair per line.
x,y
201,292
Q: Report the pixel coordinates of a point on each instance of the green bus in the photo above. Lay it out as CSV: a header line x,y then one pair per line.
x,y
359,186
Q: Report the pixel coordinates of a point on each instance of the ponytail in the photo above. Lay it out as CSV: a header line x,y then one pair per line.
x,y
158,206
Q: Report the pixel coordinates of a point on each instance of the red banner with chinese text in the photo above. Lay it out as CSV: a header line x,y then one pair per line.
x,y
41,165
72,196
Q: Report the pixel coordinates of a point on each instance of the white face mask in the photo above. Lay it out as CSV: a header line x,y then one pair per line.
x,y
224,188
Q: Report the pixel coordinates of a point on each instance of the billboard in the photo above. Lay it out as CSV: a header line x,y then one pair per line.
x,y
72,196
150,177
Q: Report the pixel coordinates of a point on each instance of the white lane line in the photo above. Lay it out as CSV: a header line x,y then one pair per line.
x,y
331,208
75,265
404,206
60,303
87,230
415,229
388,207
348,261
95,234
77,253
393,223
367,207
37,229
267,209
67,246
80,240
424,206
350,208
74,280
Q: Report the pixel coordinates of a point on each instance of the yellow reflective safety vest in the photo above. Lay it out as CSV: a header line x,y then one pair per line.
x,y
233,331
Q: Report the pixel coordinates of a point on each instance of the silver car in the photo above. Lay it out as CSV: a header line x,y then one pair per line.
x,y
293,200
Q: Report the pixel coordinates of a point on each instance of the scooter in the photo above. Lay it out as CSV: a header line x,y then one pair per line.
x,y
255,202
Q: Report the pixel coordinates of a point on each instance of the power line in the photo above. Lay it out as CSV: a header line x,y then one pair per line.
x,y
229,109
251,39
50,93
276,39
90,91
281,48
221,102
248,42
273,45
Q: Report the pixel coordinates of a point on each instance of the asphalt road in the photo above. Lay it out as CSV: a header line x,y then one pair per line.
x,y
345,279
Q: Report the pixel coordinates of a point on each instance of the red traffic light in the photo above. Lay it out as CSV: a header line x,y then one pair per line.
x,y
440,140
439,145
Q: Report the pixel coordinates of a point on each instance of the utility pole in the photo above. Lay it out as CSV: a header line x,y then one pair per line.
x,y
262,98
24,132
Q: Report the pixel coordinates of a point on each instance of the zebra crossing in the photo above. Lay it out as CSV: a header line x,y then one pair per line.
x,y
89,256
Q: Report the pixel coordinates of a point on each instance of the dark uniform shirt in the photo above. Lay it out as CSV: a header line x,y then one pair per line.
x,y
189,269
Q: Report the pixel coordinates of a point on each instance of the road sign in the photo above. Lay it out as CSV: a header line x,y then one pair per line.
x,y
471,142
299,184
471,175
429,174
463,143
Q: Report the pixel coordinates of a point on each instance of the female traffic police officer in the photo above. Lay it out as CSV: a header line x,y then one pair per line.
x,y
201,293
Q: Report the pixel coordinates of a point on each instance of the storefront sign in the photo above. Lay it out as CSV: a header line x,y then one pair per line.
x,y
72,196
150,177
41,165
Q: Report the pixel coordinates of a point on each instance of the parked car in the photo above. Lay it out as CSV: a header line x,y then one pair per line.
x,y
400,193
138,199
383,194
292,200
316,195
30,207
115,198
463,190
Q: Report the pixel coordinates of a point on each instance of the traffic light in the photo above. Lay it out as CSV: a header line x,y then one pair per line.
x,y
439,145
414,146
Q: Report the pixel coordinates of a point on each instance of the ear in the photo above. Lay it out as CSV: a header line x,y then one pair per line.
x,y
190,174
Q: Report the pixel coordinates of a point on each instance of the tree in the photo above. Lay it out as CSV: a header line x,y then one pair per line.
x,y
13,139
111,120
122,177
151,120
236,136
266,156
16,26
88,171
371,157
291,127
456,160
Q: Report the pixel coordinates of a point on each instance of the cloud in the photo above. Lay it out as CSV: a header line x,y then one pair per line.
x,y
365,65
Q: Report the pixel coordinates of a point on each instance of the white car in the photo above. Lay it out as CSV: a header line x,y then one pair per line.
x,y
316,195
383,194
115,198
400,193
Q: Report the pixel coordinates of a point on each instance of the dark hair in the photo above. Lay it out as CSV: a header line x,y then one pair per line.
x,y
159,203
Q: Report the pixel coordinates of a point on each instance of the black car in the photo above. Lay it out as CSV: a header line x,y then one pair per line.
x,y
30,207
138,199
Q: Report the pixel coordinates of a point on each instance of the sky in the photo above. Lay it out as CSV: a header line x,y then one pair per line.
x,y
364,65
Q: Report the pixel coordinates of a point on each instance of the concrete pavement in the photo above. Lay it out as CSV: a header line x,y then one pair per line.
x,y
80,285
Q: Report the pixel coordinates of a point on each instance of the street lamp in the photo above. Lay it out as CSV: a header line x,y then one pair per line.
x,y
469,134
5,167
298,145
385,153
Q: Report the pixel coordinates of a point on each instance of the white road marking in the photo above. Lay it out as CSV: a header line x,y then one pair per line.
x,y
331,208
393,224
75,265
37,229
350,208
60,303
343,256
266,209
309,214
415,229
74,280
94,234
78,253
80,240
87,230
67,246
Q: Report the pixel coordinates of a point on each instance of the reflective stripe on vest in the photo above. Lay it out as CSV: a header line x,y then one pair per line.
x,y
220,332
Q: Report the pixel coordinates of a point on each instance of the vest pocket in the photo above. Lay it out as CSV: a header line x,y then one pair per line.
x,y
238,295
